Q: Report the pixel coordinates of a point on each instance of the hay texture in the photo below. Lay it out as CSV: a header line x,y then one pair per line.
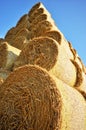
x,y
32,99
1,81
45,52
8,55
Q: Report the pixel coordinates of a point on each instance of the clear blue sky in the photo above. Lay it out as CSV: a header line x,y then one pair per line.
x,y
69,16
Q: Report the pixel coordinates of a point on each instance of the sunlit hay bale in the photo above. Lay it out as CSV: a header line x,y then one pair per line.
x,y
82,87
41,28
38,28
40,18
37,13
8,55
31,99
54,34
77,59
37,10
22,32
20,38
4,73
22,21
19,42
80,83
45,52
10,35
73,103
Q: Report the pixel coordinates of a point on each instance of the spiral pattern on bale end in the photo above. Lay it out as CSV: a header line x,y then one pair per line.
x,y
42,51
29,100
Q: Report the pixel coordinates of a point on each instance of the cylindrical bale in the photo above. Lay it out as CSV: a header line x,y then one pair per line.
x,y
73,103
45,52
19,42
22,20
31,99
77,59
54,34
82,86
10,35
22,32
40,18
37,10
8,55
40,29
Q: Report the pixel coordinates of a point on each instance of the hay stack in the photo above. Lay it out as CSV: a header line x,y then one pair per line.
x,y
8,55
43,51
41,23
31,99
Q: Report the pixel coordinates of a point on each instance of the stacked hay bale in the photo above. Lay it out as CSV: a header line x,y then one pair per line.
x,y
32,99
8,55
41,92
48,48
17,36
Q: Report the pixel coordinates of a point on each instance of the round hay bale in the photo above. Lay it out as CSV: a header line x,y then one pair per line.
x,y
40,18
22,20
8,55
46,52
22,32
19,42
40,28
56,35
10,35
36,10
31,99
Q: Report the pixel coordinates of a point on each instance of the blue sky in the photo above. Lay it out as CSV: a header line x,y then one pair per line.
x,y
69,16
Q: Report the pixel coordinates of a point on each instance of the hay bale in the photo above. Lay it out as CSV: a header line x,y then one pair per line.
x,y
36,10
22,21
10,35
32,96
32,99
40,29
54,34
76,58
23,32
19,42
8,55
46,52
40,18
